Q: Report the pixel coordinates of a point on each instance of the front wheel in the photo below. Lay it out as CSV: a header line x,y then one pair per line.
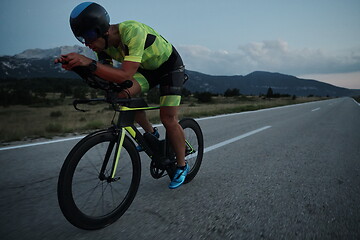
x,y
89,195
194,147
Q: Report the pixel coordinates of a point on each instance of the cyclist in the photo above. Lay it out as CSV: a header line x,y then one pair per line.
x,y
147,59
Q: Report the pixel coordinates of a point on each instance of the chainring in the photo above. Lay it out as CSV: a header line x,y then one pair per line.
x,y
155,171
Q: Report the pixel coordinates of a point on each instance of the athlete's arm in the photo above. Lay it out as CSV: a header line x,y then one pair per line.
x,y
126,72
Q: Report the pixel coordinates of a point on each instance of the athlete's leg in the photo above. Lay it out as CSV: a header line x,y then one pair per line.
x,y
143,121
140,116
169,118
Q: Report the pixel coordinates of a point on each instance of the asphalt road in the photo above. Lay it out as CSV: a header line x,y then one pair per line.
x,y
283,173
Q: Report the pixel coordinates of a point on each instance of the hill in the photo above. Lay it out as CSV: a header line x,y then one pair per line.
x,y
37,63
259,82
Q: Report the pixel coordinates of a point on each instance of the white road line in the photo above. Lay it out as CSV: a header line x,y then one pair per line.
x,y
315,109
221,144
41,143
208,149
255,111
356,102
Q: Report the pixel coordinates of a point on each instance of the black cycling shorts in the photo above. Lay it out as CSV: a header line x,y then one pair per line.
x,y
170,76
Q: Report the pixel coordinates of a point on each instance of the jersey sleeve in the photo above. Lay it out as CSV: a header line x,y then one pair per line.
x,y
133,37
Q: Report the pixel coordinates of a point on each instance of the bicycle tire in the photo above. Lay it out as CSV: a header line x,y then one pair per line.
x,y
80,163
194,136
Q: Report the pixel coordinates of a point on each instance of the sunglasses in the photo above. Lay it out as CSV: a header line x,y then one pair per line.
x,y
88,37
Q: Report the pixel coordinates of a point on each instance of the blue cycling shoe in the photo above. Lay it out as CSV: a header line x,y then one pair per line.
x,y
155,133
179,177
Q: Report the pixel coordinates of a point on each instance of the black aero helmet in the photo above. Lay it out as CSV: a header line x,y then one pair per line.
x,y
89,21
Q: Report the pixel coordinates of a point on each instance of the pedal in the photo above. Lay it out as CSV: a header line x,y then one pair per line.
x,y
155,171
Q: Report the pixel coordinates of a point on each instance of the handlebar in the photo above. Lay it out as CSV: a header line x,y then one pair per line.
x,y
85,101
120,101
111,95
96,82
111,88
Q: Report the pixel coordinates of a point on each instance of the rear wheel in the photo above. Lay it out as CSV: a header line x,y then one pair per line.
x,y
89,197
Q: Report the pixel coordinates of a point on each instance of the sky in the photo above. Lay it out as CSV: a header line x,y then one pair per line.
x,y
314,39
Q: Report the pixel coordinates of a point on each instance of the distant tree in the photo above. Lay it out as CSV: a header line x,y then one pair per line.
x,y
93,93
66,89
80,92
232,92
203,97
5,97
22,96
276,95
185,92
41,93
269,93
62,96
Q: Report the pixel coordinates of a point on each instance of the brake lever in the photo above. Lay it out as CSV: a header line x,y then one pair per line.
x,y
76,102
84,101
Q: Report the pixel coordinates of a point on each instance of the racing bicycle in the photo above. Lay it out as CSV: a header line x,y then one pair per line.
x,y
101,175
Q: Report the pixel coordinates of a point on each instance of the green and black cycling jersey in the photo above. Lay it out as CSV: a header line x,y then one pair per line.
x,y
160,64
140,43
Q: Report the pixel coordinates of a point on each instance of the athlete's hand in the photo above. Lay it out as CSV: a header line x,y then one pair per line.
x,y
73,60
61,60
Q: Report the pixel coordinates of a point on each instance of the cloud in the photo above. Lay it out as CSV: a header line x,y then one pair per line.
x,y
274,56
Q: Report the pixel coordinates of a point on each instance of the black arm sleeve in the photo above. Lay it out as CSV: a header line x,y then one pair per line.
x,y
104,58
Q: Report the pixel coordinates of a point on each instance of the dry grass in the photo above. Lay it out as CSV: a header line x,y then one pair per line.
x,y
23,122
231,105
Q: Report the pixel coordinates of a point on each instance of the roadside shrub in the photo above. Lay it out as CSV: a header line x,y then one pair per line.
x,y
54,127
192,105
232,92
93,125
203,97
80,92
56,114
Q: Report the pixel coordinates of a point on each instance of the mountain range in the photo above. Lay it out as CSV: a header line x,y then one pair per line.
x,y
35,63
